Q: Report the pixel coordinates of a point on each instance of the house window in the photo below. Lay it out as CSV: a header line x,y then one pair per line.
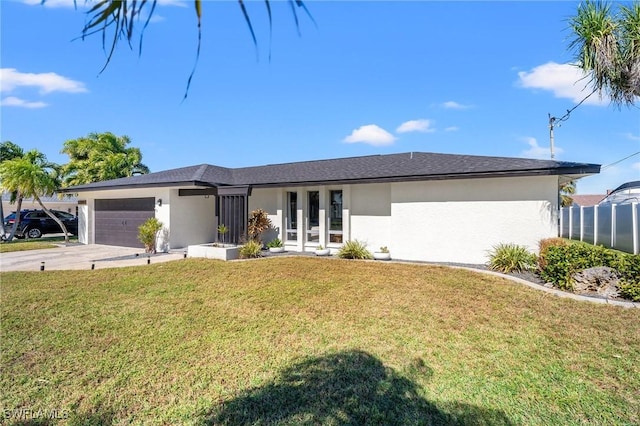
x,y
313,216
335,216
292,216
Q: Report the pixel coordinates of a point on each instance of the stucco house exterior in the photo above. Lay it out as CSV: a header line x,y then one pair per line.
x,y
422,206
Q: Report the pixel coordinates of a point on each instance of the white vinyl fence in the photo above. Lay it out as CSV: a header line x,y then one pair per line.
x,y
611,225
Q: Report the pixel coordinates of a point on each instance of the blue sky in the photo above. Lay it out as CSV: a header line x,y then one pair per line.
x,y
371,78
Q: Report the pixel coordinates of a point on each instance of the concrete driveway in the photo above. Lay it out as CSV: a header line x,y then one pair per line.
x,y
81,256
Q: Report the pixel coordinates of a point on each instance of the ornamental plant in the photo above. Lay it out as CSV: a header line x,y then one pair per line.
x,y
148,234
508,258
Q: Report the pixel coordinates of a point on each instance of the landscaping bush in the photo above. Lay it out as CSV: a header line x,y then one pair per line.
x,y
562,261
543,247
258,223
148,232
511,258
354,250
251,249
275,243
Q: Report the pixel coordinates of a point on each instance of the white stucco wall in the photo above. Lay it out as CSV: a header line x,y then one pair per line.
x,y
192,219
370,215
460,220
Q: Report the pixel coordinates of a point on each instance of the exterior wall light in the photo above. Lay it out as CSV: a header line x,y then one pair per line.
x,y
159,202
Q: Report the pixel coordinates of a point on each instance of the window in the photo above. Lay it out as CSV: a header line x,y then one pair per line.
x,y
313,217
335,216
292,216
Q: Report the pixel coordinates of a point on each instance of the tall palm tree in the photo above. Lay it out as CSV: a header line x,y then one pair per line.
x,y
607,46
566,191
9,151
32,176
100,156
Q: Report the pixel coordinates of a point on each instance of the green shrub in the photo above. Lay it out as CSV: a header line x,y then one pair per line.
x,y
354,250
543,247
275,243
562,261
251,249
148,232
511,258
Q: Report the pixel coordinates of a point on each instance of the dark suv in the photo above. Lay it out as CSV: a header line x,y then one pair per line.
x,y
34,223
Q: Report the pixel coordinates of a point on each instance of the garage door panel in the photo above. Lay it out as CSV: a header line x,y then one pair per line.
x,y
117,220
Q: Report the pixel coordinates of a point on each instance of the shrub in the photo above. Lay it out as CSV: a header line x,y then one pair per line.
x,y
543,247
384,249
562,261
258,223
222,230
148,232
354,250
511,258
251,249
275,243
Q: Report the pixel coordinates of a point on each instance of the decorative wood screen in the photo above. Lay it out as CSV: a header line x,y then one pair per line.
x,y
233,212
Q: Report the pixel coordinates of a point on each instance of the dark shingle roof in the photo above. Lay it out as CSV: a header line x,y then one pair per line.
x,y
373,168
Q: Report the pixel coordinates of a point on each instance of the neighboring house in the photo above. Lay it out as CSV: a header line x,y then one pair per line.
x,y
587,200
66,204
422,206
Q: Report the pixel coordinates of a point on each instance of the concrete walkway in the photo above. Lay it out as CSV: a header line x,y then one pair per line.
x,y
81,256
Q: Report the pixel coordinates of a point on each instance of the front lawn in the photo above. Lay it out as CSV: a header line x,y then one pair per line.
x,y
27,244
310,341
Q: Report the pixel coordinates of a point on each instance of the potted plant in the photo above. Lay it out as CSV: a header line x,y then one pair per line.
x,y
382,254
148,233
321,251
275,246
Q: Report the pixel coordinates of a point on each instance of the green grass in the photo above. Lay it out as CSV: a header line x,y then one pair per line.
x,y
27,244
311,341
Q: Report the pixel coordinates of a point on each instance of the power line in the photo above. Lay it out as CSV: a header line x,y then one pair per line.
x,y
620,161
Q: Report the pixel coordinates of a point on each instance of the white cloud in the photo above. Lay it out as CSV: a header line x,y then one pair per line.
x,y
10,78
636,166
537,151
451,129
89,3
455,105
631,136
421,125
564,80
17,102
370,134
56,3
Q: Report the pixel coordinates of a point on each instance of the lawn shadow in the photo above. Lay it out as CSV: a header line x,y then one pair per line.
x,y
346,388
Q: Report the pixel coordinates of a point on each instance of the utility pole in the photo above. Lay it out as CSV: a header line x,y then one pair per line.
x,y
552,121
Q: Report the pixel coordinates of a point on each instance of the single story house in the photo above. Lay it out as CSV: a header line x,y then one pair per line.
x,y
422,206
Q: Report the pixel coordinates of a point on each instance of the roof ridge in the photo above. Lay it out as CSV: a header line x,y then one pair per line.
x,y
202,169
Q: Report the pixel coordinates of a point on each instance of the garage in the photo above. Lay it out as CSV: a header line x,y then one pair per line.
x,y
117,220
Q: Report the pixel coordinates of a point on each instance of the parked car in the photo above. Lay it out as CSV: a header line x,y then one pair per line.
x,y
34,223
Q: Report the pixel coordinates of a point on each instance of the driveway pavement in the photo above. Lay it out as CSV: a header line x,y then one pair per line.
x,y
81,256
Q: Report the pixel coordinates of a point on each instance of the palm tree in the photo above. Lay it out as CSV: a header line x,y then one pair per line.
x,y
566,191
607,46
31,176
100,156
9,151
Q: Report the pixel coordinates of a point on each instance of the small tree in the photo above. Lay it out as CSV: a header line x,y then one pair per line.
x,y
258,223
222,229
148,234
31,176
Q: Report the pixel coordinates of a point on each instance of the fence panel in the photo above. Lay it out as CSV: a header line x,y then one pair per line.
x,y
576,223
588,224
564,222
604,226
624,228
